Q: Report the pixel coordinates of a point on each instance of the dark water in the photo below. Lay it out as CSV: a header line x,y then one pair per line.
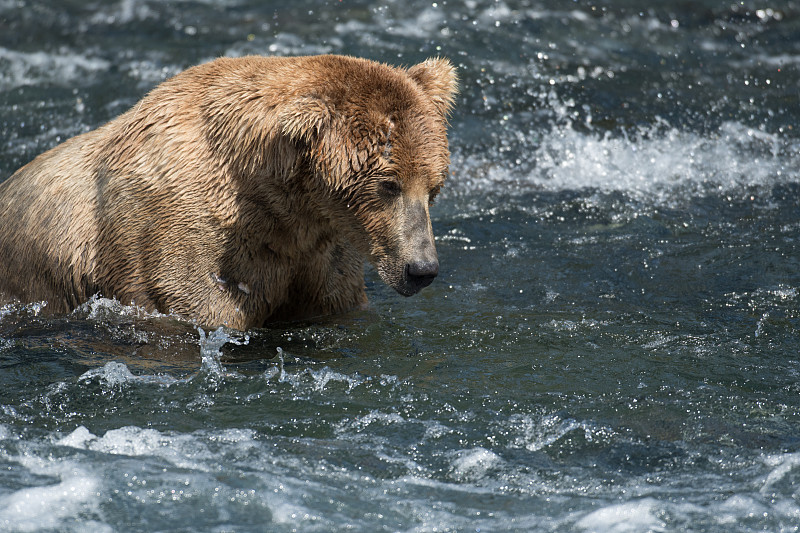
x,y
613,343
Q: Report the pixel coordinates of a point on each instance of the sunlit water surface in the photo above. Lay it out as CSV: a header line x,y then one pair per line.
x,y
613,343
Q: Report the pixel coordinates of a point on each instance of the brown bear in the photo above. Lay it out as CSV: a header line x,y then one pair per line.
x,y
240,192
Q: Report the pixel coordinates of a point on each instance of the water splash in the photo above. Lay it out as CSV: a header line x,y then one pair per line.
x,y
115,375
319,378
658,164
110,309
32,309
211,349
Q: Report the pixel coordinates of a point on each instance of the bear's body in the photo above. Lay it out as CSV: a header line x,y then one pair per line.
x,y
239,192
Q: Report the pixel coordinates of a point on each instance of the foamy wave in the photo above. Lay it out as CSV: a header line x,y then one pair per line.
x,y
31,68
282,44
47,507
635,516
537,434
376,418
183,451
658,164
651,514
126,11
734,156
785,469
475,463
198,456
50,506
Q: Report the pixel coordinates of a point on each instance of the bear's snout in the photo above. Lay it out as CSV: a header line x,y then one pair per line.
x,y
420,264
420,274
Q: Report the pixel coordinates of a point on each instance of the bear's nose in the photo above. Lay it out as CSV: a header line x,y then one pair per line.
x,y
421,273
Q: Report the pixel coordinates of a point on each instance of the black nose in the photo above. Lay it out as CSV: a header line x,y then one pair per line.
x,y
421,273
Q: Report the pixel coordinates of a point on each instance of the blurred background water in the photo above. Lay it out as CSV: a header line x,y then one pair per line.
x,y
613,343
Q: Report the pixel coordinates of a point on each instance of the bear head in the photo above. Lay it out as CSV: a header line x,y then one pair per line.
x,y
376,139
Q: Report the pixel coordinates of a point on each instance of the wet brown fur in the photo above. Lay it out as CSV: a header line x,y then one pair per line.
x,y
239,192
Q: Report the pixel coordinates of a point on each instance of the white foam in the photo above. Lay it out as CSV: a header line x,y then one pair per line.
x,y
99,308
779,60
359,424
435,429
738,507
781,293
112,373
77,439
183,451
38,508
131,440
124,12
149,71
50,506
474,463
539,433
31,68
658,164
33,308
244,437
291,487
425,23
281,44
782,466
497,12
634,516
286,512
80,487
411,481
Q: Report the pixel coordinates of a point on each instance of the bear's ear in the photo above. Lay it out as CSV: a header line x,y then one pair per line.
x,y
437,78
305,118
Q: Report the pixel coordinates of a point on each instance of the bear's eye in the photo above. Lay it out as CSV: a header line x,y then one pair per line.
x,y
390,188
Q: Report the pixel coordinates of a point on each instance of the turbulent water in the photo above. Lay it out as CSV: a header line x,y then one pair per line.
x,y
613,343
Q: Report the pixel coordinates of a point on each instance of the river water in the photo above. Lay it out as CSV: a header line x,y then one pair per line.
x,y
613,343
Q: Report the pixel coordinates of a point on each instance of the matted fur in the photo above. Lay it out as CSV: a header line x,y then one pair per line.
x,y
239,192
